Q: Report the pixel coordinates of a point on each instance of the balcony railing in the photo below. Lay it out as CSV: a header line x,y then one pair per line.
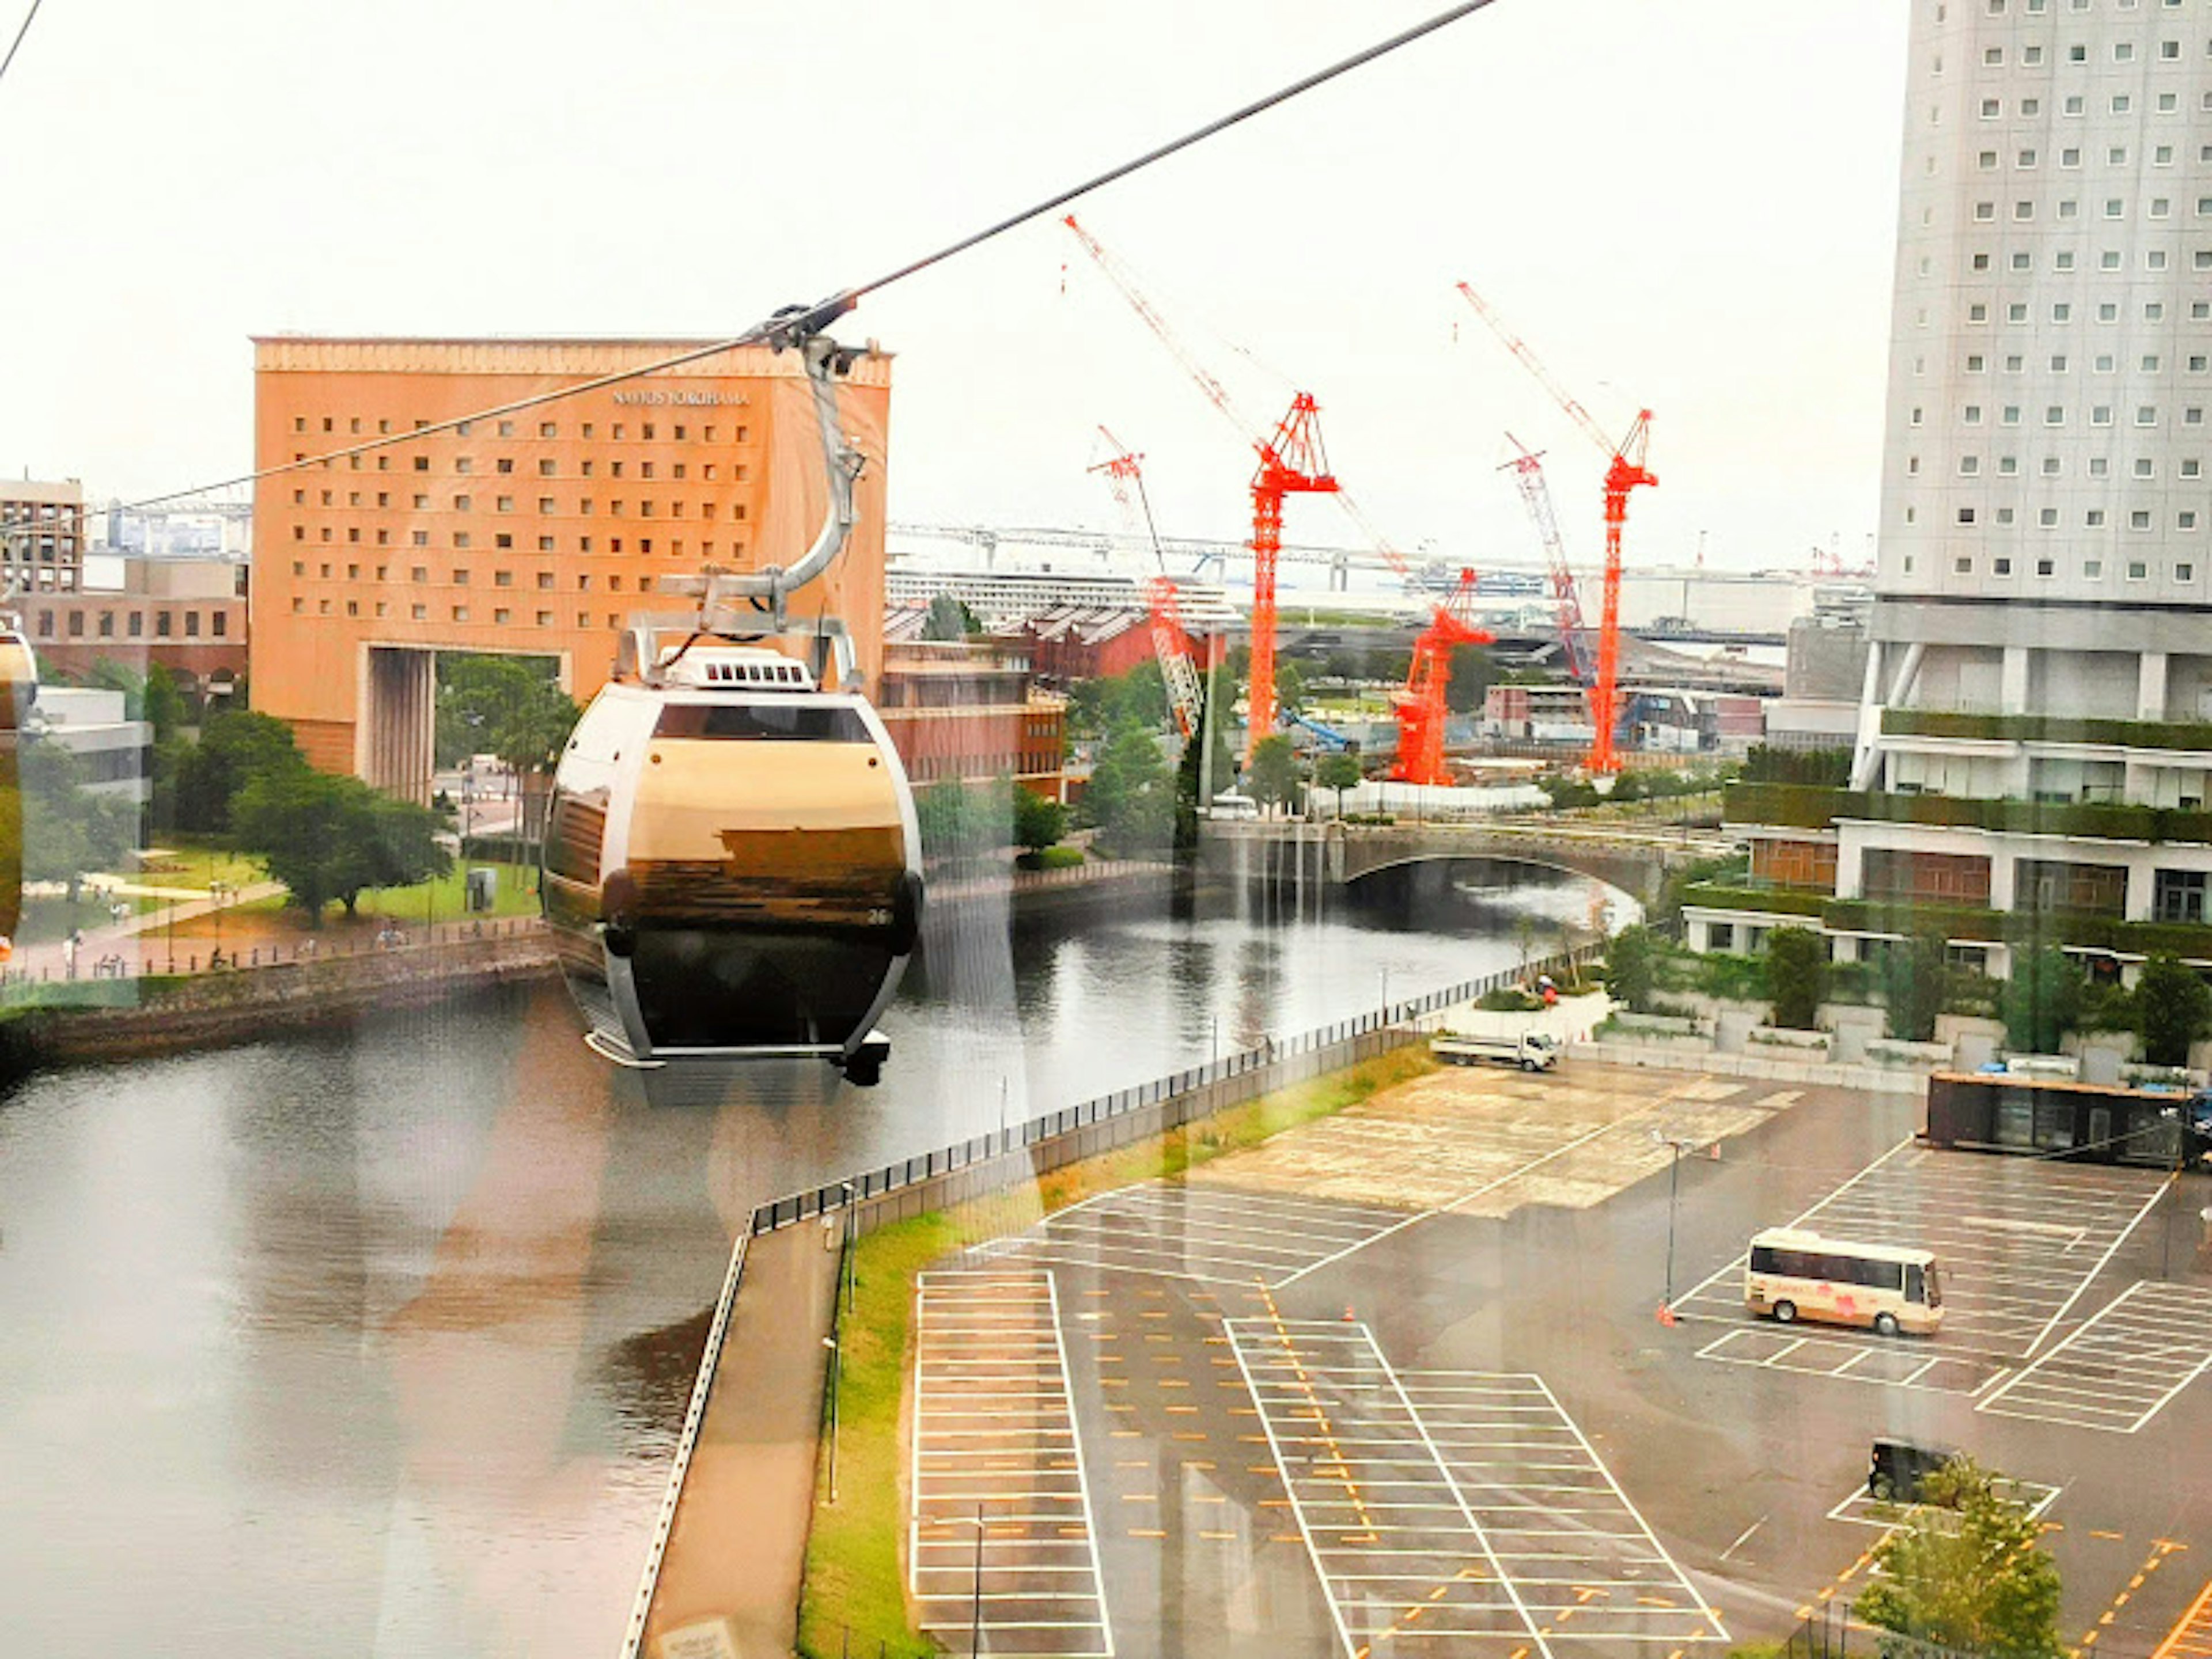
x,y
1773,901
1807,806
2046,728
2192,939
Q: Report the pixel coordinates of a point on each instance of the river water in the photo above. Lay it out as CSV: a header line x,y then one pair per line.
x,y
376,1342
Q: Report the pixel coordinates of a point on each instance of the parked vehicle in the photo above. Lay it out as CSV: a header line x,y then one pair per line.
x,y
1790,1275
1898,1467
1532,1051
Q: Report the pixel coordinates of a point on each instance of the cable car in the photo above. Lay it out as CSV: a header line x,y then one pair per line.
x,y
731,864
732,868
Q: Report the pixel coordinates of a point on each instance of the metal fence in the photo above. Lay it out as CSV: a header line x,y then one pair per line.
x,y
1830,1631
1244,1067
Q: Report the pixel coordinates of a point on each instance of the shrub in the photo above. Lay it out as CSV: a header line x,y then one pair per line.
x,y
1916,986
1509,1000
2171,1007
1631,968
2042,1000
1051,858
1796,976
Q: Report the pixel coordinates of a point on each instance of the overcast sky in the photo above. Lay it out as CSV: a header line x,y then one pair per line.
x,y
1684,203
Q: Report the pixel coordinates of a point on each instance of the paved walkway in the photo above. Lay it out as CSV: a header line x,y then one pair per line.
x,y
729,1582
129,938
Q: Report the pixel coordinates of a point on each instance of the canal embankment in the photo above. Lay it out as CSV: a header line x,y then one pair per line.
x,y
51,1020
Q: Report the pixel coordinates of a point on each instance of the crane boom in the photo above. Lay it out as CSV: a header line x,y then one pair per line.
x,y
1528,470
1624,471
1124,469
1291,462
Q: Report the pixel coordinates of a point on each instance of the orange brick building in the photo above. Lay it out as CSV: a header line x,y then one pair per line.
x,y
539,533
969,711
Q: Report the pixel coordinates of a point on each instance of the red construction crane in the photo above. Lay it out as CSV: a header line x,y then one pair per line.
x,y
1625,472
1291,462
1527,468
1124,470
1421,706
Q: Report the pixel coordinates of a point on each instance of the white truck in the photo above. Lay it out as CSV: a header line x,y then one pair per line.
x,y
1532,1051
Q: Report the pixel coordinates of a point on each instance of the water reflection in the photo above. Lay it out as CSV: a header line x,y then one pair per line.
x,y
376,1343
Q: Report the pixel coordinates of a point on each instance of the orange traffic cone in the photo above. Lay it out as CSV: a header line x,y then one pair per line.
x,y
1666,1316
1350,1318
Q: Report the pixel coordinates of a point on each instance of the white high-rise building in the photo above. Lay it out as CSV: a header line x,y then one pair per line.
x,y
2035,734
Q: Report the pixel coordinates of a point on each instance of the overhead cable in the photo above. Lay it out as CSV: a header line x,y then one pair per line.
x,y
793,323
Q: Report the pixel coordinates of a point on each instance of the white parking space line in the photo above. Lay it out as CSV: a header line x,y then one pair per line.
x,y
2019,1241
1002,1551
1860,1508
1461,1507
2121,1367
1215,1235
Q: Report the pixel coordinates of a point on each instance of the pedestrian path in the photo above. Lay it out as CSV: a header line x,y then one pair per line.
x,y
1001,1550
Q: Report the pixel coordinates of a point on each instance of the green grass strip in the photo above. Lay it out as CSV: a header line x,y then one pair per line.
x,y
853,1601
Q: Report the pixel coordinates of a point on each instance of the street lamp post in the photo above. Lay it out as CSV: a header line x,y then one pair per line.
x,y
836,1378
1673,1186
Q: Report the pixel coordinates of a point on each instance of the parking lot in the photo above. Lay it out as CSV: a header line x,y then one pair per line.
x,y
2019,1240
1001,1550
1203,1231
2118,1370
1482,1141
1456,1511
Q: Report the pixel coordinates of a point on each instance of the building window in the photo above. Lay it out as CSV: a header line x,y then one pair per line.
x,y
2093,569
163,618
2177,895
2138,571
2095,518
2045,567
2001,566
2047,517
502,615
219,623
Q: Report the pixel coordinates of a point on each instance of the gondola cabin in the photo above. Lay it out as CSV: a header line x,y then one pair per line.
x,y
731,864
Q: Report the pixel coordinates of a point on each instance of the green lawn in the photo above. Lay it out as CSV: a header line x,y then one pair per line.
x,y
189,860
853,1592
441,900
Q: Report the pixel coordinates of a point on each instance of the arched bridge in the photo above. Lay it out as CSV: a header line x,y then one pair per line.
x,y
1635,860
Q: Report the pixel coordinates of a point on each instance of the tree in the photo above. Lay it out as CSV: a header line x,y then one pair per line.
x,y
1276,773
328,837
958,820
510,707
236,748
1631,968
1965,1570
1291,686
1339,772
2042,999
1915,985
68,830
164,703
1796,976
1130,796
2172,1006
1038,823
950,619
1472,674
